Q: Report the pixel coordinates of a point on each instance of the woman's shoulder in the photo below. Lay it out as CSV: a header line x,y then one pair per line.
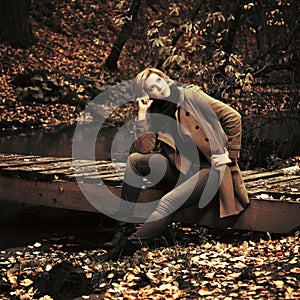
x,y
191,89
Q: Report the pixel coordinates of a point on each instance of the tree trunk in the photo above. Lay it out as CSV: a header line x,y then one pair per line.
x,y
14,25
125,33
228,43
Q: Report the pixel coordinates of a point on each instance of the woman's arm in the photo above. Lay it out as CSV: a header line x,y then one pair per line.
x,y
230,120
145,141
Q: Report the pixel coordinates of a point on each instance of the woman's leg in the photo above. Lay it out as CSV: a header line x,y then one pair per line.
x,y
151,166
184,195
140,166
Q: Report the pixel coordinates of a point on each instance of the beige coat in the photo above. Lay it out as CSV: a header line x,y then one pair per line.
x,y
233,195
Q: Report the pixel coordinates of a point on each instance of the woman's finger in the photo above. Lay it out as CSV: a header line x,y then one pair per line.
x,y
146,102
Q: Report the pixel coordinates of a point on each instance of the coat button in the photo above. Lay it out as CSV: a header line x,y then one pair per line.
x,y
187,113
197,127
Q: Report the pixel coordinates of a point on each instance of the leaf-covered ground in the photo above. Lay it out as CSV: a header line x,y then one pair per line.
x,y
73,40
196,263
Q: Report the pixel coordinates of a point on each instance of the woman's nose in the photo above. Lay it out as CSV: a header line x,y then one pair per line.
x,y
159,87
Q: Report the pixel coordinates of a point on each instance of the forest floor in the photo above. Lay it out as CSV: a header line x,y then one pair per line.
x,y
47,86
190,262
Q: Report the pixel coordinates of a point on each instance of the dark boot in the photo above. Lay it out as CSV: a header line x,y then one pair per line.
x,y
122,247
126,228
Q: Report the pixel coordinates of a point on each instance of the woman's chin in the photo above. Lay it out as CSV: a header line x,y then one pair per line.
x,y
166,95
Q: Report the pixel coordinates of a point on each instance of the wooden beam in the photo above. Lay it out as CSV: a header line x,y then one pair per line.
x,y
261,215
60,194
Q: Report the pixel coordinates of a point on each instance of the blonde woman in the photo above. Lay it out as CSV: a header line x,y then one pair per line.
x,y
195,139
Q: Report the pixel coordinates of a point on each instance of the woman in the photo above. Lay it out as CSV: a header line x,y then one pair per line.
x,y
195,139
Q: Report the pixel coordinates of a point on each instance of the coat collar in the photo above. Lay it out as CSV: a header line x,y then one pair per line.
x,y
181,96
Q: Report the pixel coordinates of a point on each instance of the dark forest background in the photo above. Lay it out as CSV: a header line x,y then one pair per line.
x,y
56,56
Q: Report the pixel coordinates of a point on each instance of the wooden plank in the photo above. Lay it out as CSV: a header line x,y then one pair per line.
x,y
283,179
14,162
275,195
108,175
262,175
259,191
29,162
247,173
110,179
271,185
69,173
11,157
37,167
96,173
21,157
274,180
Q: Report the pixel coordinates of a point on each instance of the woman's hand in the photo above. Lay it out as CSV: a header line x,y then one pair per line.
x,y
219,160
143,104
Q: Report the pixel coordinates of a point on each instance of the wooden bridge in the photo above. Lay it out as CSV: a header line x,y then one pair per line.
x,y
51,181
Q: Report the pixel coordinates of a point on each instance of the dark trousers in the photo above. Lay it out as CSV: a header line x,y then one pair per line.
x,y
181,190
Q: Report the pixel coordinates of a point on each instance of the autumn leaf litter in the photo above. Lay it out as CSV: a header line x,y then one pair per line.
x,y
200,264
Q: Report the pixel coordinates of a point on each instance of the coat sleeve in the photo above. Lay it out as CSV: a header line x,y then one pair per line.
x,y
229,118
145,141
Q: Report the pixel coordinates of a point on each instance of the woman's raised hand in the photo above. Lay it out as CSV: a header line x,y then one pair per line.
x,y
143,104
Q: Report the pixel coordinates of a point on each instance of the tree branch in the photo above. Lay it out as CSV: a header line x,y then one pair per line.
x,y
180,33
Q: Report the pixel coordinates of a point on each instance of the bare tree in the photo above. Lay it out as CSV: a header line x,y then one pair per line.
x,y
125,33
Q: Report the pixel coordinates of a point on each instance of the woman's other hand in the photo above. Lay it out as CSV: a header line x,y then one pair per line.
x,y
143,105
219,160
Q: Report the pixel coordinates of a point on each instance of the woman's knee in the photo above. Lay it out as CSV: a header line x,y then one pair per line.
x,y
133,158
138,162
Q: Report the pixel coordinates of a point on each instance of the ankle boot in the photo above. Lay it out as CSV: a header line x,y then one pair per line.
x,y
126,228
122,247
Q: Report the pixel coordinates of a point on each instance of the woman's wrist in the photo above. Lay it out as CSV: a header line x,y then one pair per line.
x,y
141,115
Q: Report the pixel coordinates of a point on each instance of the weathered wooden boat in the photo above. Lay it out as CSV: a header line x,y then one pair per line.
x,y
51,181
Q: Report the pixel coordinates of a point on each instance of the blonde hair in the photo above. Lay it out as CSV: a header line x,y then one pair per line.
x,y
138,87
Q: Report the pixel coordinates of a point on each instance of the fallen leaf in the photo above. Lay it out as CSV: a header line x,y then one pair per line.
x,y
26,282
204,292
295,270
279,283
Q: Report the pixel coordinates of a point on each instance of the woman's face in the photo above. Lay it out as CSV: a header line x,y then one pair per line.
x,y
157,87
